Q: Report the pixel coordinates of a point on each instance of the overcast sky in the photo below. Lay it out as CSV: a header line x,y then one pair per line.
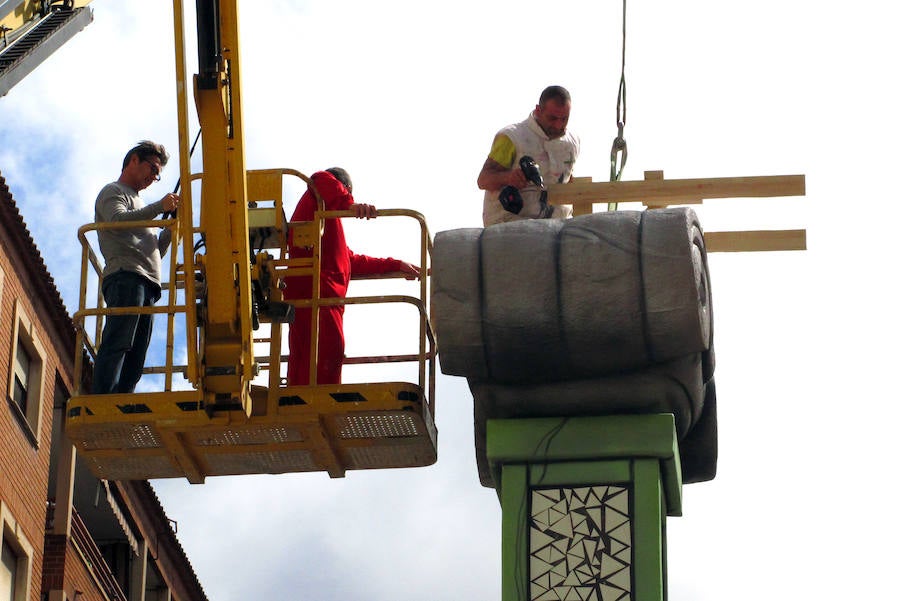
x,y
407,96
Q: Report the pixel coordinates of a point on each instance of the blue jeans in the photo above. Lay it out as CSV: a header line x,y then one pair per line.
x,y
123,347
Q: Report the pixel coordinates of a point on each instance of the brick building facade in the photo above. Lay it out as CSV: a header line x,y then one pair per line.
x,y
64,534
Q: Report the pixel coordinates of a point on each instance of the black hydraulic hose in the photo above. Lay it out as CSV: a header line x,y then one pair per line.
x,y
169,214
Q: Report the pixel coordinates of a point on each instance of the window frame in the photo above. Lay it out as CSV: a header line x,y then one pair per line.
x,y
11,535
25,336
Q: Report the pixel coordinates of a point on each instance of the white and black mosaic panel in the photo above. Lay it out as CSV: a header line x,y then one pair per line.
x,y
580,544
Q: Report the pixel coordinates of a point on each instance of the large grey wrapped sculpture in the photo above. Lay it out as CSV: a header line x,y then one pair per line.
x,y
603,314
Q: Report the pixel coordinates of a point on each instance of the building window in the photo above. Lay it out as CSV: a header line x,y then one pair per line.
x,y
15,560
26,373
20,377
8,564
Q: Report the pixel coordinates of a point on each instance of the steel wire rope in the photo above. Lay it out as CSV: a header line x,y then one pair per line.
x,y
618,154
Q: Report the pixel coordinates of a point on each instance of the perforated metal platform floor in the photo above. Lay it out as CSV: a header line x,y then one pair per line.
x,y
311,428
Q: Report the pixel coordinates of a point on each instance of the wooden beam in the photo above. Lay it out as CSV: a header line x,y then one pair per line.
x,y
656,192
759,240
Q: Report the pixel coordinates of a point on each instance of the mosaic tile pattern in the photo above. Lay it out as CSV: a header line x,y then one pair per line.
x,y
580,544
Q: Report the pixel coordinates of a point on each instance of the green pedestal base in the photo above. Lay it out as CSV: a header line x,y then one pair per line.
x,y
584,505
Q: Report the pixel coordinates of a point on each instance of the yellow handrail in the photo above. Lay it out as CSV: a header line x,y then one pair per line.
x,y
90,262
426,345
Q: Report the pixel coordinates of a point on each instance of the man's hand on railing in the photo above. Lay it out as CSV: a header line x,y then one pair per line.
x,y
170,202
364,211
410,271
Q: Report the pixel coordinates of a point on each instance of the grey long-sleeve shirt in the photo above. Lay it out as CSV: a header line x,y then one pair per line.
x,y
139,249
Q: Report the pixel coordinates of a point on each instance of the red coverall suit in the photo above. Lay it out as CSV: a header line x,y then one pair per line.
x,y
338,262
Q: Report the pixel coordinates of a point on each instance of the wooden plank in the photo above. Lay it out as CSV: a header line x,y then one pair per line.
x,y
759,240
661,192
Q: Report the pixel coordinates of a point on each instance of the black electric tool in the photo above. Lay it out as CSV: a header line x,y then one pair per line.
x,y
511,198
532,171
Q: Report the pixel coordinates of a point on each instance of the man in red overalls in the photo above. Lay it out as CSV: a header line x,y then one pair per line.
x,y
337,264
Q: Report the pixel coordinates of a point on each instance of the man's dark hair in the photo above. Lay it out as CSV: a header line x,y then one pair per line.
x,y
146,149
557,93
342,176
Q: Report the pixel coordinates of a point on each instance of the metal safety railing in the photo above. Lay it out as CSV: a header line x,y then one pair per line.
x,y
311,267
266,204
183,292
88,338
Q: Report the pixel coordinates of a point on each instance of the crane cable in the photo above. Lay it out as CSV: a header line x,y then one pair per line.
x,y
618,155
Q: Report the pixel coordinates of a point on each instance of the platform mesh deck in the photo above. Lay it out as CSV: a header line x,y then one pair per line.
x,y
171,435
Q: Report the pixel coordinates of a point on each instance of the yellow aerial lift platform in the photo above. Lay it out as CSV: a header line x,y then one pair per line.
x,y
307,428
31,30
197,433
224,295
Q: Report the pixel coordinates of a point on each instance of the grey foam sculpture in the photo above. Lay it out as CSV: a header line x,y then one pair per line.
x,y
608,313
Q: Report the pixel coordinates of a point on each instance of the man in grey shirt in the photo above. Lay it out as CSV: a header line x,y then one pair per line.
x,y
131,276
